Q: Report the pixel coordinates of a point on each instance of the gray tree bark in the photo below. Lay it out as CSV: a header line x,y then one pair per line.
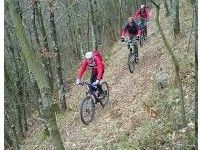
x,y
61,89
175,17
195,7
14,134
37,71
43,46
166,8
16,101
93,26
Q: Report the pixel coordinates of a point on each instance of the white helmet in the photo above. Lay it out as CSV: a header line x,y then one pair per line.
x,y
88,55
142,6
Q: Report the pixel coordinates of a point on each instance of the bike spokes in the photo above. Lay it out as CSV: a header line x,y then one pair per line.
x,y
87,110
131,62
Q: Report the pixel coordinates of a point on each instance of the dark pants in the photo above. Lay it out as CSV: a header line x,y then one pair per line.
x,y
93,79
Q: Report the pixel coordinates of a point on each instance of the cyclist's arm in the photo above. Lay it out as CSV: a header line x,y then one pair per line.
x,y
124,31
100,68
82,69
147,14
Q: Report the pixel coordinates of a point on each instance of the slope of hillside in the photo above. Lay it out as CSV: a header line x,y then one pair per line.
x,y
125,111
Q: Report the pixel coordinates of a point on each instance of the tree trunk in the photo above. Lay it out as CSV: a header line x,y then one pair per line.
x,y
195,7
88,31
23,100
35,36
93,26
20,107
36,88
15,139
120,14
166,8
73,44
37,71
175,17
44,47
176,65
81,42
61,89
16,101
7,139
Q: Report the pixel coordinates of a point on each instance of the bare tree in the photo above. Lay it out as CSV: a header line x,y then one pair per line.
x,y
61,89
195,7
175,17
93,24
37,71
166,8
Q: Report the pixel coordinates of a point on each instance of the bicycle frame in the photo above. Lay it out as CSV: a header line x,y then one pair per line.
x,y
131,41
91,90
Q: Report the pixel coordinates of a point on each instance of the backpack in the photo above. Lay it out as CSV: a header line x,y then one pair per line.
x,y
98,54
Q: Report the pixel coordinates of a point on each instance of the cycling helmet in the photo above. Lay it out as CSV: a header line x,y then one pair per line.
x,y
142,6
88,55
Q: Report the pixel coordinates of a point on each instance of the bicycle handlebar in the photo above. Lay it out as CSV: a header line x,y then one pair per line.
x,y
84,83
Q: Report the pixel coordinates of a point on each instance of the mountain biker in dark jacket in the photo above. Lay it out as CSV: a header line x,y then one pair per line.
x,y
131,30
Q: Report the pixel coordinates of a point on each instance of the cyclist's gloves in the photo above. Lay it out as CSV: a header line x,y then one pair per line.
x,y
95,83
78,81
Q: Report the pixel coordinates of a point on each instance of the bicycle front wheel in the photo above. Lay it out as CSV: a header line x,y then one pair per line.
x,y
131,61
87,110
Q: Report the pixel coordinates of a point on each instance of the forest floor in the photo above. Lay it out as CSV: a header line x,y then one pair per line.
x,y
125,110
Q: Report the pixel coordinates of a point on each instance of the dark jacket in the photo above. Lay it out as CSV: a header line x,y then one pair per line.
x,y
130,30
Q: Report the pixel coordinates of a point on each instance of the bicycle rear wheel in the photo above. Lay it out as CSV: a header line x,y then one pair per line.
x,y
131,61
87,110
105,98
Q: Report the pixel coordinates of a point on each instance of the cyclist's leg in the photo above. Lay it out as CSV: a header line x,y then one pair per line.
x,y
136,53
128,45
92,78
99,86
145,30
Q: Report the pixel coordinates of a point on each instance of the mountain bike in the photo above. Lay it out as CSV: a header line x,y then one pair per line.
x,y
133,52
93,96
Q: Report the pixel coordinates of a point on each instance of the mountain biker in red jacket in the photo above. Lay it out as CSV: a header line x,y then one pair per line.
x,y
94,61
143,14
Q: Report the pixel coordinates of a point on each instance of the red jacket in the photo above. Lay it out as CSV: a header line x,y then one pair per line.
x,y
96,64
145,14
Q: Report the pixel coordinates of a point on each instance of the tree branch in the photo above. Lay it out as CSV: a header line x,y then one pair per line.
x,y
157,5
